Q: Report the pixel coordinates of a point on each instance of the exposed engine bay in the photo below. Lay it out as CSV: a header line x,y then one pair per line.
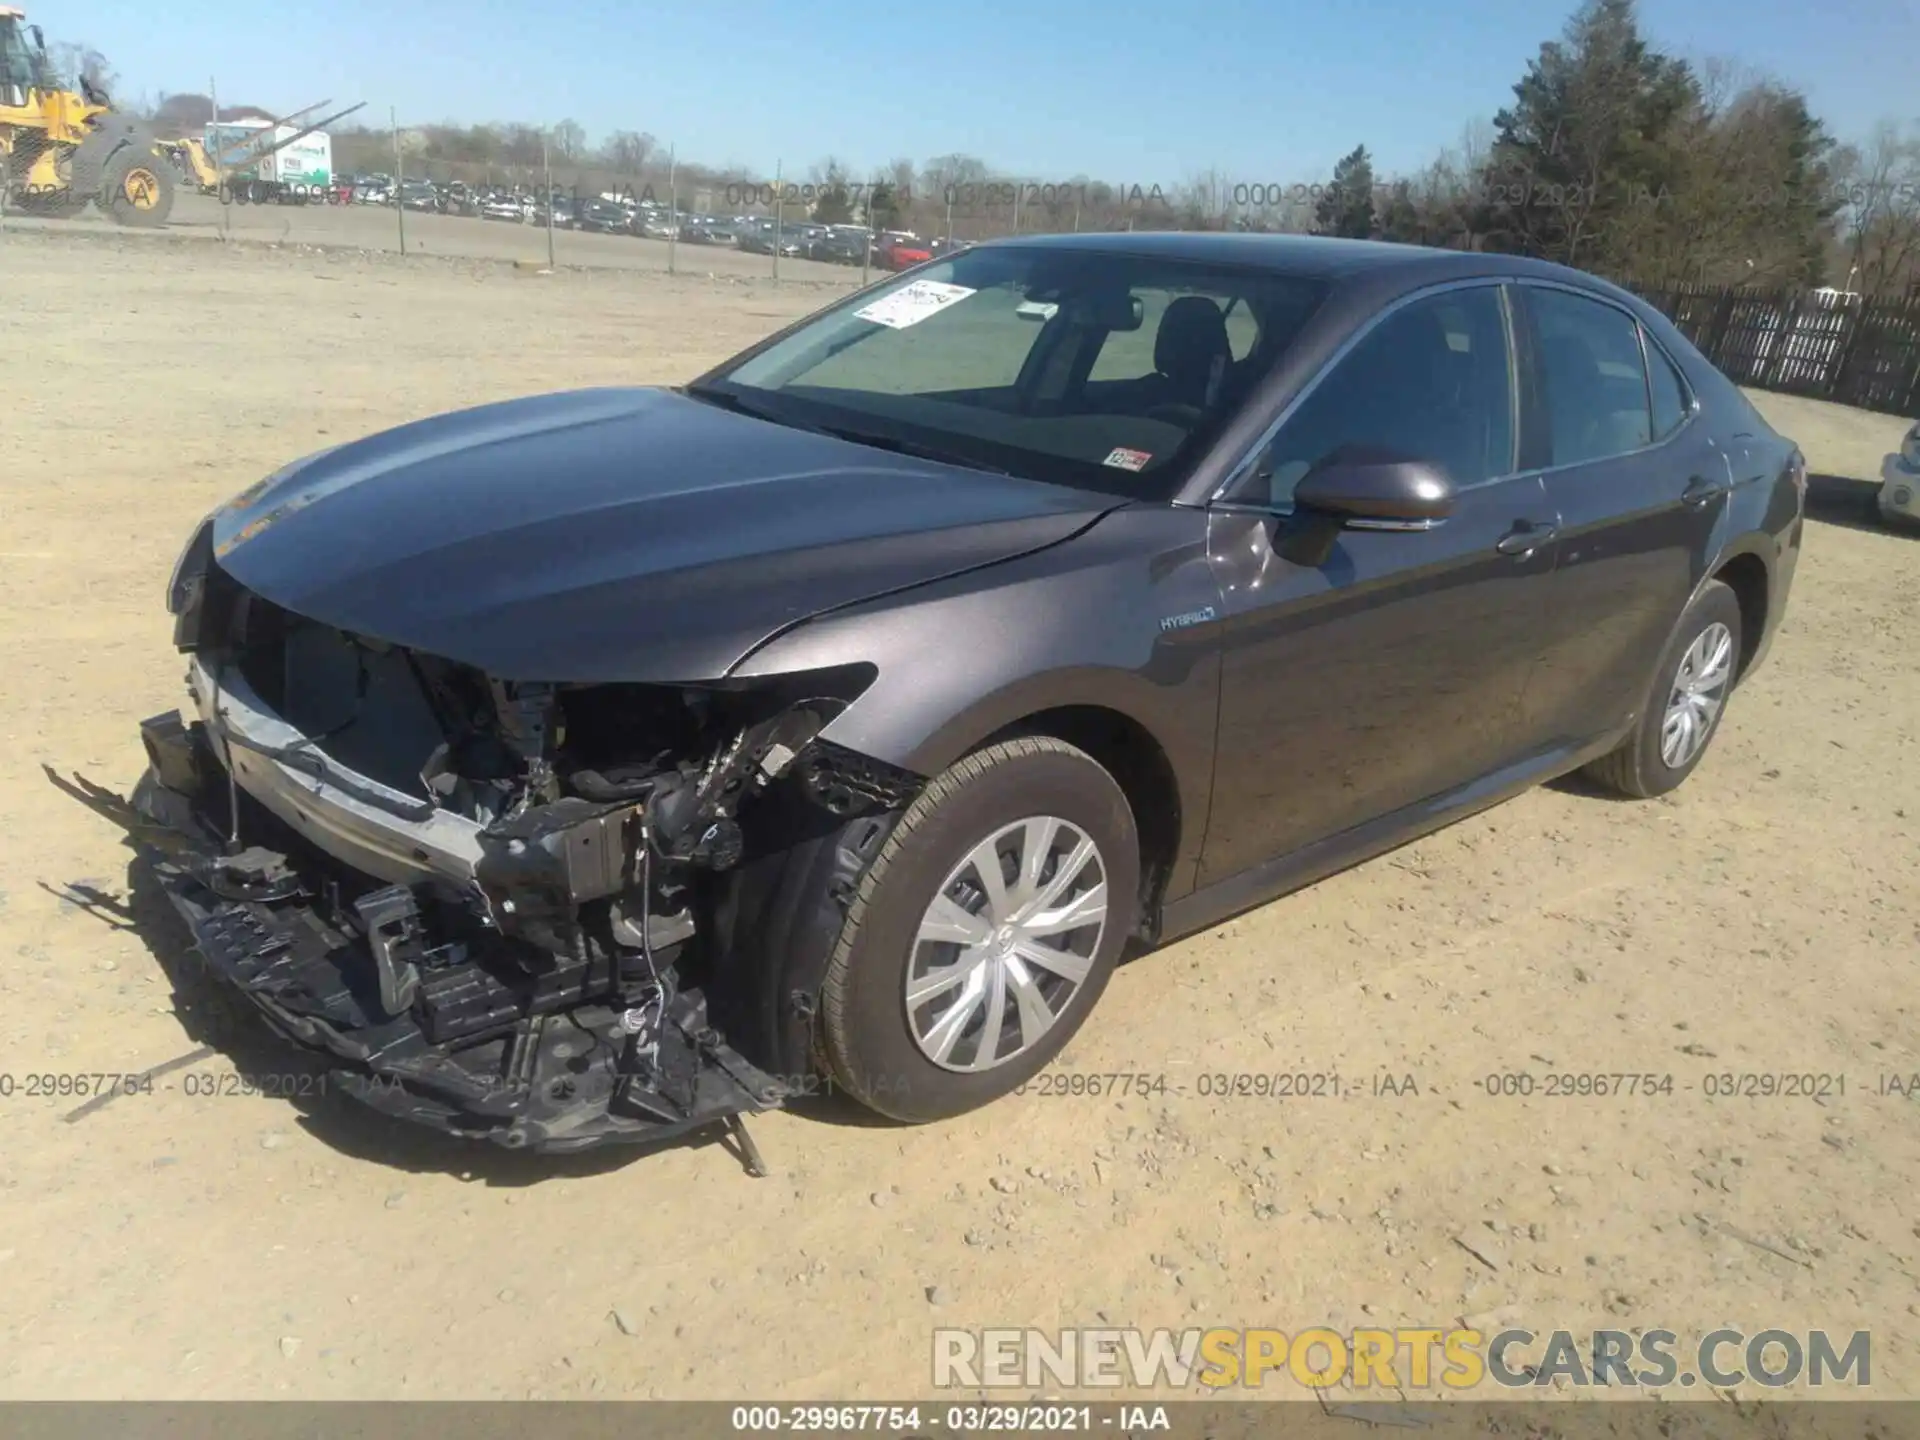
x,y
489,903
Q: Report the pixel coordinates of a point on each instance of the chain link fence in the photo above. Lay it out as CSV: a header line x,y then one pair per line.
x,y
648,212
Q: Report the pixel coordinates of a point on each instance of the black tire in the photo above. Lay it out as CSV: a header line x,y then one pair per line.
x,y
866,1034
136,188
1637,769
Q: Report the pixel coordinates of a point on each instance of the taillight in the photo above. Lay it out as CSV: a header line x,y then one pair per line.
x,y
1797,469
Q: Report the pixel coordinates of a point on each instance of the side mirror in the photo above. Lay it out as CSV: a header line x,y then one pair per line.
x,y
1376,489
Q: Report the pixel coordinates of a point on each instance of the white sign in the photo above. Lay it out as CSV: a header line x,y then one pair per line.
x,y
913,303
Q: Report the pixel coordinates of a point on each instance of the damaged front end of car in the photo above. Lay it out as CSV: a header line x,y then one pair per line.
x,y
488,903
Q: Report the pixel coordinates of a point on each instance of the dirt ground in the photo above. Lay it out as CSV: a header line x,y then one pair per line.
x,y
184,1244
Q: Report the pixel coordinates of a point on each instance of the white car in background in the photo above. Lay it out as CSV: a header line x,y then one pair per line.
x,y
1900,481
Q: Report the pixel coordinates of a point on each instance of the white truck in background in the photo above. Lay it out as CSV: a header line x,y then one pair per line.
x,y
297,171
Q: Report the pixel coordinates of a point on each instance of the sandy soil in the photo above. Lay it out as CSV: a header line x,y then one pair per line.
x,y
193,1245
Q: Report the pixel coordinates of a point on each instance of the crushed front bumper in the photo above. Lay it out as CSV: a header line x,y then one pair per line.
x,y
556,1064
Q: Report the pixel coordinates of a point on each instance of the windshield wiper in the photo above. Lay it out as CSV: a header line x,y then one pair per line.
x,y
909,447
730,400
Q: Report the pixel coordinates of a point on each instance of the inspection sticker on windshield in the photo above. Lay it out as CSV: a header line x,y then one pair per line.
x,y
911,305
1125,459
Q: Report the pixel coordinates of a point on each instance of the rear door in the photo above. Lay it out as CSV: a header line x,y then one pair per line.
x,y
1391,672
1638,486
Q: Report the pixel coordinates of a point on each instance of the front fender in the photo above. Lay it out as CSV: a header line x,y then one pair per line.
x,y
1083,624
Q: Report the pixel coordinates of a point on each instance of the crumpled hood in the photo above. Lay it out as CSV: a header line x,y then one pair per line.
x,y
619,534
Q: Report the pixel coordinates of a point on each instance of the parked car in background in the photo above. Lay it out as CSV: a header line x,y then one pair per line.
x,y
788,242
657,225
898,250
553,804
560,208
844,245
419,195
706,230
502,206
1899,497
604,217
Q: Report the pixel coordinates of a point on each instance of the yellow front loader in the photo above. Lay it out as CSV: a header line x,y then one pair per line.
x,y
190,158
60,149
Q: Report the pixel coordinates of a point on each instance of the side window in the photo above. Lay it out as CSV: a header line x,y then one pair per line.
x,y
1669,392
1432,380
1591,371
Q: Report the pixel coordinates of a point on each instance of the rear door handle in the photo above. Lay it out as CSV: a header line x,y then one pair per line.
x,y
1526,537
1701,492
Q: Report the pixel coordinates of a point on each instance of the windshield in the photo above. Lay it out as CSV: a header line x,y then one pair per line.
x,y
16,58
1110,372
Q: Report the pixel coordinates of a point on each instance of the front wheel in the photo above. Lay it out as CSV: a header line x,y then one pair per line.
x,y
983,933
137,188
1696,674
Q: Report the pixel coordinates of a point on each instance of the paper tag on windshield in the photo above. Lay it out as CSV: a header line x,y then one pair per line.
x,y
912,303
1125,459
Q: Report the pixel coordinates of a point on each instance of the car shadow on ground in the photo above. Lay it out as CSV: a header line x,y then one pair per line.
x,y
1852,504
1580,786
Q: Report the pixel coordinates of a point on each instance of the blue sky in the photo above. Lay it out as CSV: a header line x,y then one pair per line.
x,y
1123,90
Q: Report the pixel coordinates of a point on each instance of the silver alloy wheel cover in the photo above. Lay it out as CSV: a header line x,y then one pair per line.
x,y
1699,690
998,952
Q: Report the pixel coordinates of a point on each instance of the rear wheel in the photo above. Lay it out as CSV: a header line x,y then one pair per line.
x,y
984,932
1689,695
137,188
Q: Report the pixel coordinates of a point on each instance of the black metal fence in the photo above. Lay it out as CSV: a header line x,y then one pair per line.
x,y
1822,344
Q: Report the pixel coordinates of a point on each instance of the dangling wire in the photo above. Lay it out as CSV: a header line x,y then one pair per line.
x,y
630,1020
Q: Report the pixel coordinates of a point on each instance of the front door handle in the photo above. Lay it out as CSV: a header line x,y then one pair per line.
x,y
1526,537
1701,492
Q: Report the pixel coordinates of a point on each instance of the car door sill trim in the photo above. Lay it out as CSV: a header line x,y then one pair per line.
x,y
1310,864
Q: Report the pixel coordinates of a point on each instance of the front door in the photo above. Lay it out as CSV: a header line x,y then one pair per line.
x,y
1392,672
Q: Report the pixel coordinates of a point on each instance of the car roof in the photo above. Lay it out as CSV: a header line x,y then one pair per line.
x,y
1312,257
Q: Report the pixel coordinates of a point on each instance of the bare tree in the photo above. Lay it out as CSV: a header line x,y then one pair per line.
x,y
628,151
1879,187
569,142
1203,200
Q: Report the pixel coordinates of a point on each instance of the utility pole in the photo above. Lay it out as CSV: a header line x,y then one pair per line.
x,y
399,178
222,191
546,189
673,211
779,200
